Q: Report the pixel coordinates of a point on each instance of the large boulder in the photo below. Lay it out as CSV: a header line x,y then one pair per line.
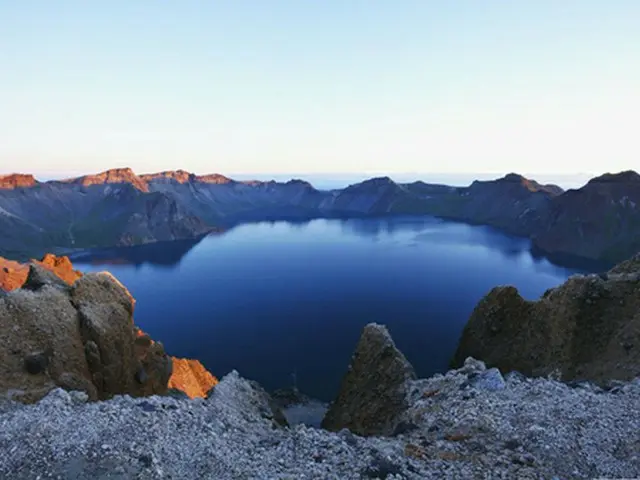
x,y
104,309
373,393
586,329
80,338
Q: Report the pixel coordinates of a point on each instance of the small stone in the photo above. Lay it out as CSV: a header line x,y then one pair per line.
x,y
146,460
37,362
415,451
491,380
79,397
472,365
146,406
515,377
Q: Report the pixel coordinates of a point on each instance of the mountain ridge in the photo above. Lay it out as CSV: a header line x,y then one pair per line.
x,y
117,207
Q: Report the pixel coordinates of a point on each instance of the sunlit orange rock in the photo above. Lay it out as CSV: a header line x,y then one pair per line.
x,y
191,377
16,180
14,274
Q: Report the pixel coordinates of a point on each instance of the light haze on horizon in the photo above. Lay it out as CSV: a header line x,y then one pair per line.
x,y
336,87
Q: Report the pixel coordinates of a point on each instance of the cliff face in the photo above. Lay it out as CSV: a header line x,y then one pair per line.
x,y
78,337
16,180
80,313
600,220
586,329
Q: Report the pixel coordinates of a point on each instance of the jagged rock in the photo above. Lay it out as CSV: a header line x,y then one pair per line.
x,y
585,329
372,396
117,355
191,377
14,275
79,338
100,289
39,276
490,380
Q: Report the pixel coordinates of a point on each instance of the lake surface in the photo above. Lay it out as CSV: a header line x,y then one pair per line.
x,y
285,302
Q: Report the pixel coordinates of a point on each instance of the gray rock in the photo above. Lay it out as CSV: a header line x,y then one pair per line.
x,y
490,380
471,365
515,377
534,429
373,393
39,276
78,397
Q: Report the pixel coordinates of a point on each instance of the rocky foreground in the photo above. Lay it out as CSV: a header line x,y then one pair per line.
x,y
469,423
84,394
60,328
588,328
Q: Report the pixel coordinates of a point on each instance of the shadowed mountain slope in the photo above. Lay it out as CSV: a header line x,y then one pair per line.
x,y
599,221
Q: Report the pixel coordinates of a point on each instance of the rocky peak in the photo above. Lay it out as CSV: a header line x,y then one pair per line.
x,y
372,395
628,177
214,178
373,185
116,175
17,180
179,176
526,183
300,182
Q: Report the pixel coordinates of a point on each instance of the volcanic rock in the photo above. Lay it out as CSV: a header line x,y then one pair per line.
x,y
586,329
372,396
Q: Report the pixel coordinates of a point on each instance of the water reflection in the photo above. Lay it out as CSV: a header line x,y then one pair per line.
x,y
161,254
409,231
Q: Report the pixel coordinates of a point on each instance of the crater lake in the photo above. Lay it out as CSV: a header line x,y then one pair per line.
x,y
284,303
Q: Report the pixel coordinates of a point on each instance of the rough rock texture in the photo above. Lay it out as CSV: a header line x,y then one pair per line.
x,y
586,329
14,274
79,337
116,175
16,180
530,429
373,392
600,220
187,375
191,377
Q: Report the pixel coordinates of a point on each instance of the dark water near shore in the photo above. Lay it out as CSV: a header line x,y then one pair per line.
x,y
283,302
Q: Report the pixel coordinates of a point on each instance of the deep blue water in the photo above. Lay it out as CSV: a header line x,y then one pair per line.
x,y
274,300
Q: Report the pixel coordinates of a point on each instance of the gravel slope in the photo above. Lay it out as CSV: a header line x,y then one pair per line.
x,y
469,423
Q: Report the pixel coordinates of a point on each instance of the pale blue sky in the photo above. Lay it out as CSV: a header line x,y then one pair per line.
x,y
367,86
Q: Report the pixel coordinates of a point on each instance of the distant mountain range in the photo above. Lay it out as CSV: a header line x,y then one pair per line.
x,y
599,221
